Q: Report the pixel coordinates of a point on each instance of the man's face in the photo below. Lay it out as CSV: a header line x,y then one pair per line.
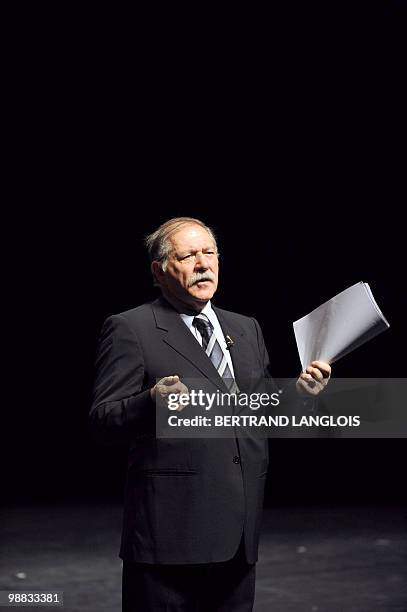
x,y
191,275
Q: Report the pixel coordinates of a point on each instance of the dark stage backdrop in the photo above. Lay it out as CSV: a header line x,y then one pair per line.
x,y
298,164
278,261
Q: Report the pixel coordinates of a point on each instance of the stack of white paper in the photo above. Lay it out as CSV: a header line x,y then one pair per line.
x,y
338,326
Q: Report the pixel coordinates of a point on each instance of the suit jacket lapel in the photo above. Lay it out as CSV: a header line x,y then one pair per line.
x,y
240,351
180,338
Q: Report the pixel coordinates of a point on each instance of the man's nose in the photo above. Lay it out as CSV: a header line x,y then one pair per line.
x,y
201,261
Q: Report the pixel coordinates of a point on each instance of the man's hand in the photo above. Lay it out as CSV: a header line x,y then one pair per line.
x,y
315,378
167,385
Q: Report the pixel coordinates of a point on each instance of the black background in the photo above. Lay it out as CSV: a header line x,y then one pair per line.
x,y
285,134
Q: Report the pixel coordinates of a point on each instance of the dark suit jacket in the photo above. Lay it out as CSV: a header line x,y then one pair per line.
x,y
186,500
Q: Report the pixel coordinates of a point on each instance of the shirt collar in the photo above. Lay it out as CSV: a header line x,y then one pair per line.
x,y
207,310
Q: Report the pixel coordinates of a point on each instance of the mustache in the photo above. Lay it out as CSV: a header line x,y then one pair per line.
x,y
196,277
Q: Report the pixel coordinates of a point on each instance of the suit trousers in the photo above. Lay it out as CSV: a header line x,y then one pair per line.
x,y
208,587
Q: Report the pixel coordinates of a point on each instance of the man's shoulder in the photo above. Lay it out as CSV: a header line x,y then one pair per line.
x,y
137,311
138,314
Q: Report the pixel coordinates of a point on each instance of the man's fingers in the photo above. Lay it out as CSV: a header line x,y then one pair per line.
x,y
324,367
309,385
315,373
171,385
172,388
169,380
308,378
179,387
165,383
315,378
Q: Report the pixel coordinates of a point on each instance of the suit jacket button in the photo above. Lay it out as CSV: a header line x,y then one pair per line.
x,y
236,459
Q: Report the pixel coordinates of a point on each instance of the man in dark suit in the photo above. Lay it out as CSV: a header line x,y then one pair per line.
x,y
192,506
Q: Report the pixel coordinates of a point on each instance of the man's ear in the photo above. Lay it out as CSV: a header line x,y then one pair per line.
x,y
157,271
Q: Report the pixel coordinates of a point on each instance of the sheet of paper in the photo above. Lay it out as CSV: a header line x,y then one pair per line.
x,y
338,326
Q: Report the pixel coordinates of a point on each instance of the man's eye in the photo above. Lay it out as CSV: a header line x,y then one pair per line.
x,y
185,257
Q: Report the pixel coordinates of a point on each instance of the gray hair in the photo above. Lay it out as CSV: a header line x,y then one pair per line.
x,y
158,243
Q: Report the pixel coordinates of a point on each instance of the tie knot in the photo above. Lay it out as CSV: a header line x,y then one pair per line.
x,y
202,323
205,329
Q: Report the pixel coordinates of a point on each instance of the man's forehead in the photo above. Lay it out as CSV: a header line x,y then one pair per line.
x,y
191,236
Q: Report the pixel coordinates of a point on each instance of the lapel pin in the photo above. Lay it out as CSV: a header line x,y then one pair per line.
x,y
229,342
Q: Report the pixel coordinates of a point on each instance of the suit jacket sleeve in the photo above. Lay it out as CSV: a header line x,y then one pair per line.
x,y
122,408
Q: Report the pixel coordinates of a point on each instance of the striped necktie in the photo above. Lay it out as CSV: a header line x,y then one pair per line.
x,y
214,351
